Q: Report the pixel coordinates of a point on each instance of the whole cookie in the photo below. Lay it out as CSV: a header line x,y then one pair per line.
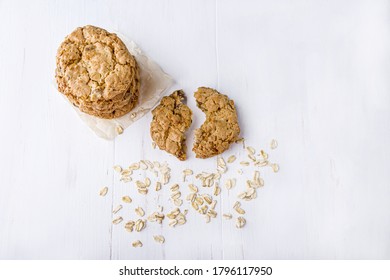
x,y
96,72
220,128
171,119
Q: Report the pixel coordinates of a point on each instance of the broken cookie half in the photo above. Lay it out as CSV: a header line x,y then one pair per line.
x,y
220,128
171,119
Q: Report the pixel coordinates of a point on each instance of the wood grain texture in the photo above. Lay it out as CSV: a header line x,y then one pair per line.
x,y
312,75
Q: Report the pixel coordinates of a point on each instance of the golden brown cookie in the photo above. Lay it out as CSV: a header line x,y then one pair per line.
x,y
220,128
171,119
96,72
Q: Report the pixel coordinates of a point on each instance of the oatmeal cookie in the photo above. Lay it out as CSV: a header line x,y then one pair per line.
x,y
220,128
171,119
96,72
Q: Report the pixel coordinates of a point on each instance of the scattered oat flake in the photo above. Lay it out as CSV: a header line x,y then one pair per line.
x,y
125,172
242,195
149,164
140,225
199,200
117,220
207,198
126,179
143,165
181,221
178,202
250,191
244,163
212,213
264,154
174,187
230,183
139,211
256,175
252,157
191,197
158,186
261,182
188,172
251,150
118,168
134,166
166,178
221,161
103,191
117,209
217,190
275,167
119,129
193,188
221,165
274,144
240,222
261,163
239,210
159,239
236,204
137,243
242,140
227,216
231,159
129,226
176,195
126,199
143,191
156,217
203,209
195,205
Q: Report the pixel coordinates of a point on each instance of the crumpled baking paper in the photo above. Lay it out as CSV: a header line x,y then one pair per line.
x,y
154,82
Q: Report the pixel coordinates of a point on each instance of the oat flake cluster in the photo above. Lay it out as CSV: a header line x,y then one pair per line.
x,y
201,194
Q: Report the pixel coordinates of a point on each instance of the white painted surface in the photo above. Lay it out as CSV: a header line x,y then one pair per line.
x,y
312,74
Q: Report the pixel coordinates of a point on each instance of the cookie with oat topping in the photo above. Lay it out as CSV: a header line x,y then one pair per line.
x,y
220,128
171,119
97,73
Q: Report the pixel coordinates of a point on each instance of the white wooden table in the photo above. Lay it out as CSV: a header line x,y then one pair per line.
x,y
312,74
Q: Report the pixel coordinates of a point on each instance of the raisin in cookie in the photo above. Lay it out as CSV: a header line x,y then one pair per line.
x,y
220,128
171,119
96,72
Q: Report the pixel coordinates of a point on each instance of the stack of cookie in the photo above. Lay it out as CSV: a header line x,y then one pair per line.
x,y
97,73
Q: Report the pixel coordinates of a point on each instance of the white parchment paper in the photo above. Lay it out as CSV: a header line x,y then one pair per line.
x,y
154,82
